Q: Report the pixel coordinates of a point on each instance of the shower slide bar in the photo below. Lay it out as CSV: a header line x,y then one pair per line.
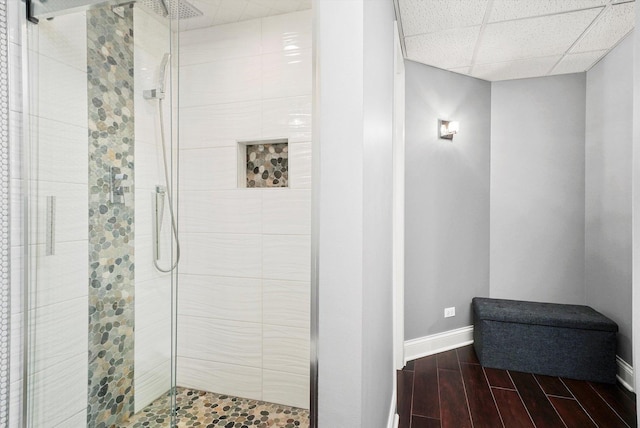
x,y
50,238
157,202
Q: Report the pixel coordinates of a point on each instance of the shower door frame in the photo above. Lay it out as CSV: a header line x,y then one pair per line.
x,y
5,223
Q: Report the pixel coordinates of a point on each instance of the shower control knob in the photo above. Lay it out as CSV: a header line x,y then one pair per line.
x,y
117,188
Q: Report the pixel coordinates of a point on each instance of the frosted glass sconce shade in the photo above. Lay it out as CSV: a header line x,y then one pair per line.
x,y
448,128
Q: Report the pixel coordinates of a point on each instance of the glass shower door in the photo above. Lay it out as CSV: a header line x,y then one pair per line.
x,y
101,249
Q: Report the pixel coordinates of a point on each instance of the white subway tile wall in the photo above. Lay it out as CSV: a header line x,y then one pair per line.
x,y
245,275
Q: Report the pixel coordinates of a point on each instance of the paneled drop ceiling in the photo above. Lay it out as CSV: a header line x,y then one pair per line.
x,y
218,12
513,39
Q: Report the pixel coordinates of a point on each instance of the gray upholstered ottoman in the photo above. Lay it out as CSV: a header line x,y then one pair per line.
x,y
557,340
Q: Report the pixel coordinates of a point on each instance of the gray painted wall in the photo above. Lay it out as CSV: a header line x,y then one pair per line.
x,y
537,189
447,198
353,129
609,128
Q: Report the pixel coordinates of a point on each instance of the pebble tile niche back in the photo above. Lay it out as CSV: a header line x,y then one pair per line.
x,y
266,163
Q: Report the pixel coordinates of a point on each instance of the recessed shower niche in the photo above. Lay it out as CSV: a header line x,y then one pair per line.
x,y
263,163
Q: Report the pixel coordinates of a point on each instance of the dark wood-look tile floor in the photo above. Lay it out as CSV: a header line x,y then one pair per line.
x,y
453,390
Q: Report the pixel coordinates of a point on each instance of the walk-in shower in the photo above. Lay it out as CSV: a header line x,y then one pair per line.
x,y
172,141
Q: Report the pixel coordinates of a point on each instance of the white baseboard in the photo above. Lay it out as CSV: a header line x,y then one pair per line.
x,y
429,345
436,343
393,420
625,374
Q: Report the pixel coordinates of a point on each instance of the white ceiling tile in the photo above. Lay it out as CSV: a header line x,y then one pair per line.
x,y
444,49
513,9
264,3
533,37
576,63
429,16
282,6
229,11
612,26
461,70
286,6
254,10
304,5
521,69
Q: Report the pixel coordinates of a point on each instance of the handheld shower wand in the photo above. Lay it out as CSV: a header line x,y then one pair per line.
x,y
158,94
163,71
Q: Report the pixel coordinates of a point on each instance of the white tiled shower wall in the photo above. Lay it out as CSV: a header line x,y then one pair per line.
x,y
243,315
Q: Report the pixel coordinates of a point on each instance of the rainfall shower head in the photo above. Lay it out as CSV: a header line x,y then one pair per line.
x,y
172,9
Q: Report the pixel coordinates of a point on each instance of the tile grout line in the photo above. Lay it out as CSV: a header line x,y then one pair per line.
x,y
579,403
438,385
413,380
484,373
547,397
503,388
464,388
607,403
560,396
521,400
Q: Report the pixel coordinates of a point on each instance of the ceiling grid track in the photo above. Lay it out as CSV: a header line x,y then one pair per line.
x,y
582,36
485,20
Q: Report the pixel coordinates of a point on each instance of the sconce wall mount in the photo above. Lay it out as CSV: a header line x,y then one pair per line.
x,y
448,128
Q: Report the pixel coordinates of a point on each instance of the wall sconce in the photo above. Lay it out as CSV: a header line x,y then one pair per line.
x,y
448,128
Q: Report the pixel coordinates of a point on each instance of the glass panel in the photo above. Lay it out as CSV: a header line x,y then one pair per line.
x,y
103,190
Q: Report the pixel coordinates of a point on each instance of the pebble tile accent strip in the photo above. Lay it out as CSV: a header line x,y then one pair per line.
x,y
111,227
5,229
268,165
210,410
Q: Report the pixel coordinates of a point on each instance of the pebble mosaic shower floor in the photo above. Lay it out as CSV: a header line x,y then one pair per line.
x,y
209,410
